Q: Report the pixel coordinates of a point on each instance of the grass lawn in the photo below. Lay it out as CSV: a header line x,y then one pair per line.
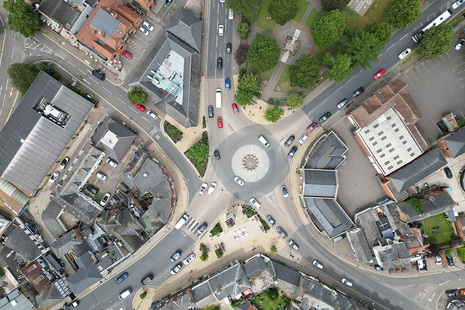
x,y
311,18
284,81
267,25
319,51
265,75
302,5
375,14
443,237
457,19
411,56
267,304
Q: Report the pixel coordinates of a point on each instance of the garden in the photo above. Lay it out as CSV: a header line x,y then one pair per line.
x,y
271,300
198,154
438,229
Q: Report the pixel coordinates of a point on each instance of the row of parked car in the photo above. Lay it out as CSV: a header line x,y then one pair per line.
x,y
176,255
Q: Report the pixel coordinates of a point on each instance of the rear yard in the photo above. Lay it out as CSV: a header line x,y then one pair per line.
x,y
445,234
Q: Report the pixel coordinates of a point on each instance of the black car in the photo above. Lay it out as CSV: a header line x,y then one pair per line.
x,y
443,127
358,92
289,141
378,268
450,260
210,111
452,293
448,172
168,2
281,231
228,48
325,117
98,74
292,152
219,63
217,154
92,189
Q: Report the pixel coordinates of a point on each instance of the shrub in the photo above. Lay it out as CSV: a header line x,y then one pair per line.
x,y
273,114
204,257
172,132
137,95
243,30
219,253
448,252
236,303
249,213
462,253
273,249
216,230
143,295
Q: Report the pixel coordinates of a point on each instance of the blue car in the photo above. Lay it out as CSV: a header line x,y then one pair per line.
x,y
122,277
227,83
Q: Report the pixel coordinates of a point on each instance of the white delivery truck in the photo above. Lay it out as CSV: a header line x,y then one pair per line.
x,y
218,98
182,221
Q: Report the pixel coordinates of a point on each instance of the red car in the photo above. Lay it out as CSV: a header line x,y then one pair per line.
x,y
235,108
220,122
128,55
140,107
379,74
311,127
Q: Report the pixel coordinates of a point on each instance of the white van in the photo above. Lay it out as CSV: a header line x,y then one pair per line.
x,y
182,221
125,294
218,98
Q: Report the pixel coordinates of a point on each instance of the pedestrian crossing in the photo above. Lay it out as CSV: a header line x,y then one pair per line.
x,y
193,226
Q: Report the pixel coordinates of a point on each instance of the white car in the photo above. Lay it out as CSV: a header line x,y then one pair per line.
x,y
255,202
144,31
222,1
64,162
438,260
459,44
101,176
221,30
202,189
303,138
112,163
148,25
317,264
404,54
263,141
211,189
238,180
54,177
293,245
152,115
105,199
231,14
188,259
346,282
456,4
176,269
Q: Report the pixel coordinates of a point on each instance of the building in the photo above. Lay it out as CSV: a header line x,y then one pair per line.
x,y
453,145
432,204
16,300
87,275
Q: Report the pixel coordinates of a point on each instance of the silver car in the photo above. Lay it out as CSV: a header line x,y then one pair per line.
x,y
404,54
238,180
148,25
144,31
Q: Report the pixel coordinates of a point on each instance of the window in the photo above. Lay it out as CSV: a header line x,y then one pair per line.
x,y
409,149
401,137
393,125
372,138
396,157
388,145
412,154
399,162
396,130
383,138
382,155
404,142
388,118
376,126
367,131
374,143
391,150
380,133
379,151
386,163
390,167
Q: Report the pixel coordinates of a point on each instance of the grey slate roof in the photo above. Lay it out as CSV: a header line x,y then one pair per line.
x,y
392,255
79,205
30,144
320,183
50,219
187,28
439,203
326,295
327,153
104,22
59,11
20,242
128,231
456,142
288,279
15,300
73,242
255,266
113,139
366,220
418,169
87,275
359,245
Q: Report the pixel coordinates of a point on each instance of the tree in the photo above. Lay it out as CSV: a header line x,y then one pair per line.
x,y
436,41
241,54
328,28
137,95
22,75
273,114
243,30
216,230
401,13
249,81
273,249
363,47
340,67
44,67
415,204
329,5
264,52
383,31
249,8
243,97
204,256
295,101
283,11
198,152
219,253
22,18
305,72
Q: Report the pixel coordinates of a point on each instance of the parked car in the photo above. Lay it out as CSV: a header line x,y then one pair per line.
x,y
147,279
220,122
346,282
284,191
148,25
211,189
291,153
293,245
357,92
112,163
176,269
219,63
379,74
210,111
303,138
231,14
324,117
144,31
220,30
102,176
452,293
238,180
438,260
175,256
188,259
443,127
203,188
448,172
202,228
378,268
54,177
404,53
450,260
235,108
342,104
456,4
64,162
281,231
140,107
105,199
289,141
217,154
271,220
312,126
227,83
122,277
127,54
459,44
168,2
317,264
255,202
263,141
152,115
228,48
92,189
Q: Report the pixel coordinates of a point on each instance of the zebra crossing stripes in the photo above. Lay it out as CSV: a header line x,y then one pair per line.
x,y
192,224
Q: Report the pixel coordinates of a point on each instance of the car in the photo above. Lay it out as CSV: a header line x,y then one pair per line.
x,y
312,126
292,152
342,104
148,25
140,107
144,31
357,92
255,202
127,54
263,141
210,111
168,2
175,256
75,303
54,177
293,245
448,172
202,228
303,138
102,176
317,264
238,180
92,189
217,154
222,1
459,44
219,63
122,277
438,260
105,199
112,163
235,108
147,279
271,220
281,231
152,115
230,14
378,268
324,117
211,189
456,4
289,141
203,188
98,74
188,259
450,260
228,48
220,122
404,53
379,74
284,191
64,162
443,127
452,293
227,83
462,292
176,269
220,30
125,294
346,282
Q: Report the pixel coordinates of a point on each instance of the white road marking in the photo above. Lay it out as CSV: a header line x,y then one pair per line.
x,y
106,90
81,71
121,100
71,64
86,81
390,47
59,56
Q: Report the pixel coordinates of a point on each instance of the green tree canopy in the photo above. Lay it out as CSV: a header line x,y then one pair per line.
x,y
436,41
329,5
241,54
328,28
401,13
248,8
249,81
305,72
340,67
263,53
243,97
363,47
22,75
283,11
273,114
383,31
295,101
137,95
22,18
243,30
